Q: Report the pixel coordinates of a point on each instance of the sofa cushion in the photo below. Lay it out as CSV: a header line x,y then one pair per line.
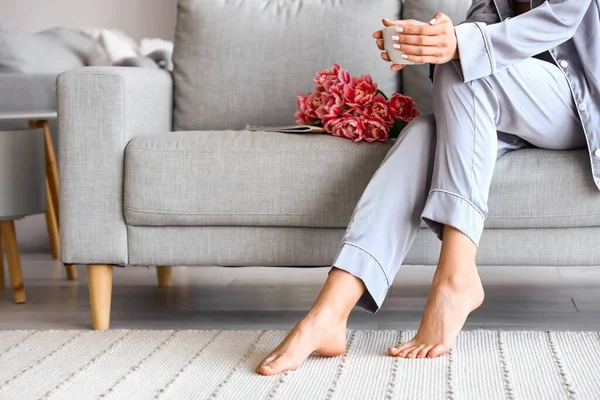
x,y
242,178
244,62
41,53
246,178
415,79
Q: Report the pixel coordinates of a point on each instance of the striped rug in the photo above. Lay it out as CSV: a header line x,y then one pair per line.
x,y
130,364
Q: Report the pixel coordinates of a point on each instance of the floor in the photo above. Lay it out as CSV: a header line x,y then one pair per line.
x,y
517,298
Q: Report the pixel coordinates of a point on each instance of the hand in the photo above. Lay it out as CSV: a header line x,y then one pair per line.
x,y
431,43
379,39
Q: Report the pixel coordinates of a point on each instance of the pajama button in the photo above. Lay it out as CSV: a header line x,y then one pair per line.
x,y
597,153
582,107
564,64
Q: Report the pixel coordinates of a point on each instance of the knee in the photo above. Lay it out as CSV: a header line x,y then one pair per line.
x,y
454,98
418,138
420,131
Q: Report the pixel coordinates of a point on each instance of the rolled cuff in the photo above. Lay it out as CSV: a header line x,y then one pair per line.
x,y
447,208
476,59
358,262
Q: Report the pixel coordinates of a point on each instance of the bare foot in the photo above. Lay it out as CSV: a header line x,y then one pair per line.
x,y
316,333
451,300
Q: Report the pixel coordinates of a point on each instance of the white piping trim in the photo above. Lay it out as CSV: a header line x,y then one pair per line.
x,y
459,196
387,278
487,48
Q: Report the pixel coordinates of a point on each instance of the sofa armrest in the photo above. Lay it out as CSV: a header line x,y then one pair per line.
x,y
100,109
27,92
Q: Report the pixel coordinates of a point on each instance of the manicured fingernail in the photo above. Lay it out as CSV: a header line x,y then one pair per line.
x,y
399,29
396,46
433,22
395,37
404,56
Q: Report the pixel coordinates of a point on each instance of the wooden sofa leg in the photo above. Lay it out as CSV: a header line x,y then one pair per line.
x,y
9,237
163,273
71,271
100,285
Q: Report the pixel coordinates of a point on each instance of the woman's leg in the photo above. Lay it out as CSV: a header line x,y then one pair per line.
x,y
530,100
322,330
383,227
456,291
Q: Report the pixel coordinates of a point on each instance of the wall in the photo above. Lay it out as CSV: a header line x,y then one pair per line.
x,y
137,18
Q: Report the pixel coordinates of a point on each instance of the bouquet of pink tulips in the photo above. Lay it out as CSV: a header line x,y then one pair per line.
x,y
354,108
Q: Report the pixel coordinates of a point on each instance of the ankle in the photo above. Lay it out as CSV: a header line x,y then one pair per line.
x,y
327,315
458,282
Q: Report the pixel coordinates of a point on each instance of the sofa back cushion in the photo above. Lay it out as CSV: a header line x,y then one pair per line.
x,y
415,79
48,52
239,62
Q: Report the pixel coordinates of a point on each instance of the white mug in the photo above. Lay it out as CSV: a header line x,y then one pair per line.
x,y
388,44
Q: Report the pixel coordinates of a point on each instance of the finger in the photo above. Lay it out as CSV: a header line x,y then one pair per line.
x,y
421,59
425,29
378,34
385,56
379,44
397,67
389,22
418,40
401,22
421,50
439,18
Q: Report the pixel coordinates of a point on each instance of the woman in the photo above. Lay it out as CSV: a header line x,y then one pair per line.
x,y
502,81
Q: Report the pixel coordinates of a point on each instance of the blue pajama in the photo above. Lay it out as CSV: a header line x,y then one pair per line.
x,y
440,169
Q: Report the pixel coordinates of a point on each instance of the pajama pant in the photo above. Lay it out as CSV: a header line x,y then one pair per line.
x,y
440,169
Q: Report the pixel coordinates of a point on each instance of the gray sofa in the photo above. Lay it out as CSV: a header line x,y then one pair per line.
x,y
157,169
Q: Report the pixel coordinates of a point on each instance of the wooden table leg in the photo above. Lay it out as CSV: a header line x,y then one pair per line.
x,y
2,281
51,166
71,271
9,237
51,188
52,224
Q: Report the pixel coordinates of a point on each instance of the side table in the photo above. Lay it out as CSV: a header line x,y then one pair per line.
x,y
41,119
22,193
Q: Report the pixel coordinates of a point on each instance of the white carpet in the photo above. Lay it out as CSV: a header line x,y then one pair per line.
x,y
123,364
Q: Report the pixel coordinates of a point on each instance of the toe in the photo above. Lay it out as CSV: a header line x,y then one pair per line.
x,y
266,366
277,366
423,352
415,351
269,359
395,351
264,370
261,367
438,350
404,353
